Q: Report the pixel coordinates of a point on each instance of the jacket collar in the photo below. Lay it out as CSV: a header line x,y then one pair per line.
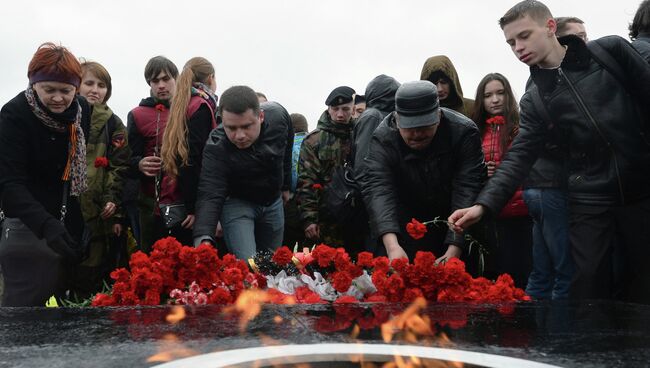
x,y
342,130
577,57
440,144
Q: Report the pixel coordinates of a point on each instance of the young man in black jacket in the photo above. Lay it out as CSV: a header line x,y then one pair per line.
x,y
601,126
246,174
423,161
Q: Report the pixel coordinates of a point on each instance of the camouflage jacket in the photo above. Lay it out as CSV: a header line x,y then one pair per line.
x,y
322,150
105,181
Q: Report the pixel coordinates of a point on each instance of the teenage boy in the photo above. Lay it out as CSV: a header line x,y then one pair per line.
x,y
600,125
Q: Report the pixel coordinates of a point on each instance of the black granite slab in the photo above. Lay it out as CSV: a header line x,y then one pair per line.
x,y
586,334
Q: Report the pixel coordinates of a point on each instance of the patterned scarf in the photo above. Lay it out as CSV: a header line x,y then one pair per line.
x,y
75,168
200,89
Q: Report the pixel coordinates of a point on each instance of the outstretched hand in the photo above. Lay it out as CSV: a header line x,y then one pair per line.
x,y
463,218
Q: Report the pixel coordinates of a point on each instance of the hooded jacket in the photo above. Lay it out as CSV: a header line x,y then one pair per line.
x,y
322,150
455,100
642,44
601,126
401,183
380,101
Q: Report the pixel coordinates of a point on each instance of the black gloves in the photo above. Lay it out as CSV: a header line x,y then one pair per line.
x,y
60,241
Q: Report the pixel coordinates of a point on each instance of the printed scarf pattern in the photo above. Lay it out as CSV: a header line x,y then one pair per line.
x,y
200,89
75,169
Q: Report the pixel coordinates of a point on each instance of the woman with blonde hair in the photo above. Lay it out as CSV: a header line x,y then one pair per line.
x,y
107,157
191,119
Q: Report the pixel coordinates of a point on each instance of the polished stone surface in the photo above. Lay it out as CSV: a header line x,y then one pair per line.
x,y
587,334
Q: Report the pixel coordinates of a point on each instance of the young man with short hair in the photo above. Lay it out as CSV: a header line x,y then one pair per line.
x,y
246,174
146,126
600,125
323,150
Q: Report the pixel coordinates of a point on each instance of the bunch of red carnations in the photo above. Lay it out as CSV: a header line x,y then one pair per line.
x,y
177,274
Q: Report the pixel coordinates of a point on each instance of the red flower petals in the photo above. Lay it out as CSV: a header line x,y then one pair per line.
x,y
178,274
101,162
282,256
496,120
416,229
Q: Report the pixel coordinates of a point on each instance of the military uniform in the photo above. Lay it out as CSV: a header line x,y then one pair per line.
x,y
322,151
107,139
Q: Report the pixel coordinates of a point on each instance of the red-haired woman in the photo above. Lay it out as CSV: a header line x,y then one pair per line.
x,y
42,174
510,239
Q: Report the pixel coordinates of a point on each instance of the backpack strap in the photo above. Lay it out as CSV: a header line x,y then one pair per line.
x,y
605,59
540,107
109,129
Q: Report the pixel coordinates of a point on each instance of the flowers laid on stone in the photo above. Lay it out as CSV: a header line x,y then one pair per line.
x,y
176,274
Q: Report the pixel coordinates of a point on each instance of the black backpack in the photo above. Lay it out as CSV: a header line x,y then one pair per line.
x,y
342,196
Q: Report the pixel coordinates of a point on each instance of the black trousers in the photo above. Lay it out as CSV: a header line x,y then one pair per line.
x,y
594,232
30,280
510,243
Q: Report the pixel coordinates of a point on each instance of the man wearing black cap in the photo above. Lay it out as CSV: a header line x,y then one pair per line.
x,y
423,162
323,150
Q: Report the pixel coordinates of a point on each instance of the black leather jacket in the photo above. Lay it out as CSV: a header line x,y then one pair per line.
x,y
400,183
642,45
598,121
256,174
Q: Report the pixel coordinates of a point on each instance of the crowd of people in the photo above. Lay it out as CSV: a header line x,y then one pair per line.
x,y
556,189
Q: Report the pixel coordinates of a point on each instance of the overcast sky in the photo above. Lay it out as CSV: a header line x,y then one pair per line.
x,y
295,51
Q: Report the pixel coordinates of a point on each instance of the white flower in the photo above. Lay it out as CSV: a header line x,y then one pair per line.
x,y
283,283
361,286
320,286
364,283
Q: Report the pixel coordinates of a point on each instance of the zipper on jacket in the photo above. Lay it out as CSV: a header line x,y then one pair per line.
x,y
600,133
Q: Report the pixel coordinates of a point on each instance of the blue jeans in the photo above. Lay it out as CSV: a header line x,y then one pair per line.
x,y
553,265
249,227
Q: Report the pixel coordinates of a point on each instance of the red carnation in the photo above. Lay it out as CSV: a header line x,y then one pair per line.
x,y
364,259
160,107
416,229
103,300
306,296
496,120
120,274
381,264
399,264
316,187
341,281
324,255
282,256
219,296
101,162
346,299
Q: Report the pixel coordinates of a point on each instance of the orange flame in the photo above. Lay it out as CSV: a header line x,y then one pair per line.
x,y
410,323
176,315
248,305
171,349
